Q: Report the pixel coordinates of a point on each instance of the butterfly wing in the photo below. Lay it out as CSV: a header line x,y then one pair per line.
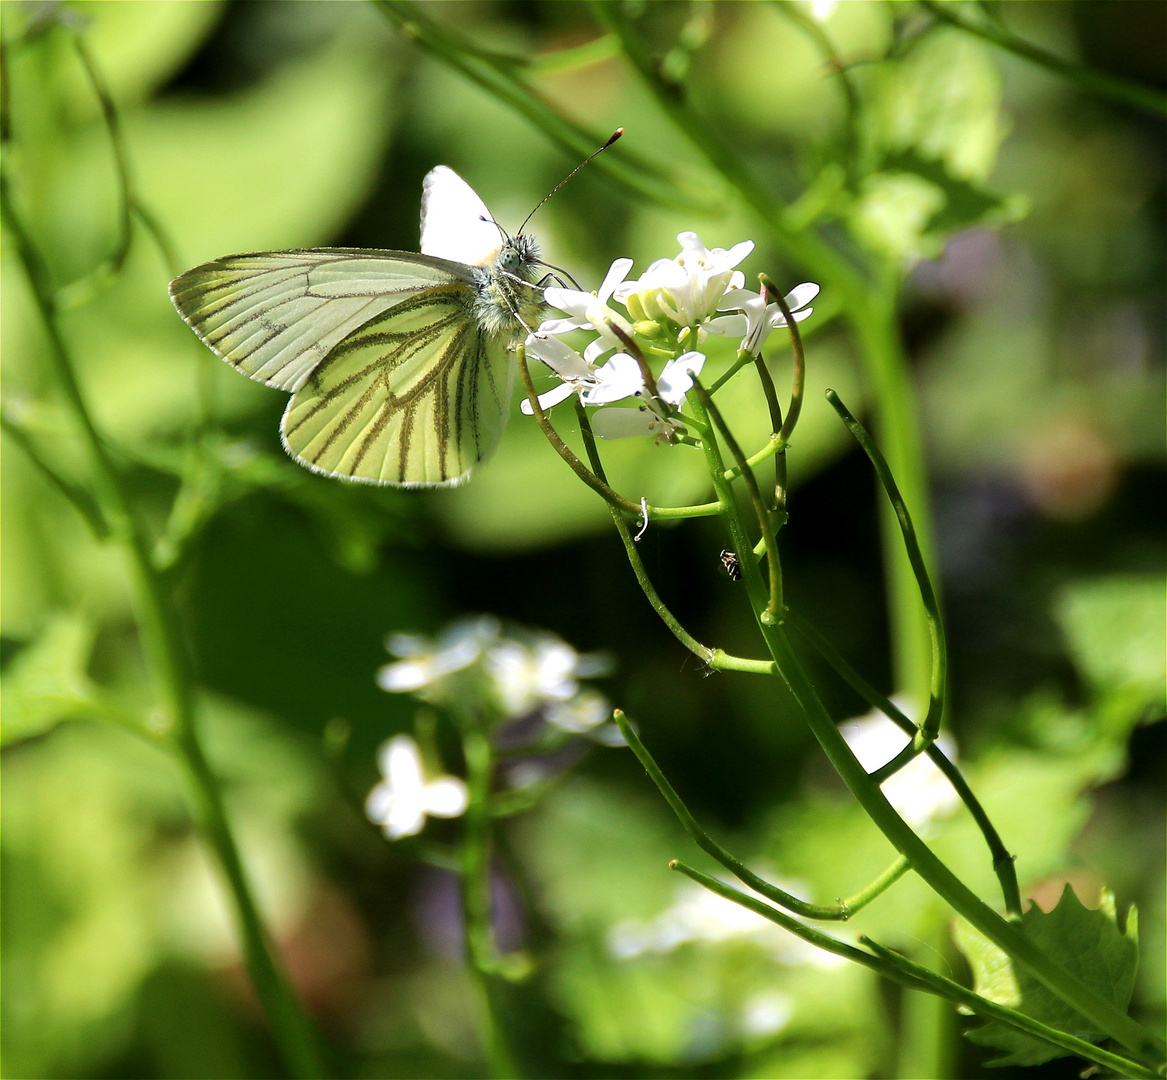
x,y
276,315
455,223
394,381
415,397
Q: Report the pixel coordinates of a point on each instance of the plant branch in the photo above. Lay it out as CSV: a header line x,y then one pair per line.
x,y
939,681
1100,82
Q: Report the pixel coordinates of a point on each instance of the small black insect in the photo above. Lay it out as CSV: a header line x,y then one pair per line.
x,y
732,566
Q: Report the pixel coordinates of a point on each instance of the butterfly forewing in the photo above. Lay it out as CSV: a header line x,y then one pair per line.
x,y
416,396
277,315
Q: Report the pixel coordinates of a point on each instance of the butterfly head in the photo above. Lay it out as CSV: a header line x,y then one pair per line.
x,y
518,255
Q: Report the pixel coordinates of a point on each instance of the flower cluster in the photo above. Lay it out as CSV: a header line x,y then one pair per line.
x,y
674,304
524,686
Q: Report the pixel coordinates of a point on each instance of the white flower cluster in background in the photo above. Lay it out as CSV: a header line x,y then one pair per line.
x,y
505,677
699,292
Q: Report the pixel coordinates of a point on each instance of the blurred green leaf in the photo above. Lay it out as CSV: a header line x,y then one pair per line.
x,y
139,46
1088,944
1116,628
47,682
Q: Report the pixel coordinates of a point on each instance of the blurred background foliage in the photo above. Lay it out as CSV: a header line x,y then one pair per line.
x,y
1028,216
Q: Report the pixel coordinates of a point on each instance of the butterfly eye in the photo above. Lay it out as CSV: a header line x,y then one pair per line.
x,y
509,259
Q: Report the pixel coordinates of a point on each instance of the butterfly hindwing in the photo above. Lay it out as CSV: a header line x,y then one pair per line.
x,y
276,315
415,396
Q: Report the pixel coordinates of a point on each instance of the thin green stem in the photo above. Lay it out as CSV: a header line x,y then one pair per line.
x,y
1003,864
476,901
723,661
869,307
1100,82
775,410
1006,935
611,497
934,983
814,30
499,76
575,58
798,382
702,652
939,679
774,604
78,498
773,446
901,970
838,912
162,642
739,537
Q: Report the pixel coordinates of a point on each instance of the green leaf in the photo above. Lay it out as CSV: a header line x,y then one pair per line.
x,y
1115,628
47,683
1088,944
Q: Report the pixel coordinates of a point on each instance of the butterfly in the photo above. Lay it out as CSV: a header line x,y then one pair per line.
x,y
397,362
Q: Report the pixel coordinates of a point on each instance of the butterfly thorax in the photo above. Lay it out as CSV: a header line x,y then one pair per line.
x,y
507,303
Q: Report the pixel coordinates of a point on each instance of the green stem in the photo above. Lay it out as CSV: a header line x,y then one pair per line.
x,y
901,970
1006,935
476,901
499,76
868,306
774,605
79,498
703,652
611,497
924,862
1111,86
939,678
1003,864
840,911
162,642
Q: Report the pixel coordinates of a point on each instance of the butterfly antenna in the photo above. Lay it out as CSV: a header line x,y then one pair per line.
x,y
615,135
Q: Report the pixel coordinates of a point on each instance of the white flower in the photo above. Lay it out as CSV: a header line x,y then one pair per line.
x,y
582,713
526,677
590,311
760,318
403,799
672,385
619,378
423,663
688,289
919,792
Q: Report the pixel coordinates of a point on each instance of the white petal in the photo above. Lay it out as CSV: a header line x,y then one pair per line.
x,y
379,802
404,819
445,797
727,325
617,272
801,295
619,378
675,381
552,397
404,676
559,326
401,763
623,423
737,253
570,300
737,298
596,349
560,358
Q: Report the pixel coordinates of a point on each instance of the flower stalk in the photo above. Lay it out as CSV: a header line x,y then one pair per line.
x,y
165,652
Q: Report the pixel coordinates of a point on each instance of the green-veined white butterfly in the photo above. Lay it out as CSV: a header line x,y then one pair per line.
x,y
397,363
